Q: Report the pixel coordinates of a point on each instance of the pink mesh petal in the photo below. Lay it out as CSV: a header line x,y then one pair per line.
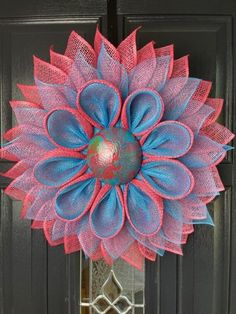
x,y
88,240
97,254
82,71
20,186
188,229
30,93
203,153
77,44
109,69
181,67
197,100
144,209
193,208
25,143
141,74
45,96
37,225
60,61
71,244
160,73
172,229
166,245
117,245
46,212
58,230
47,228
217,105
207,182
146,52
199,118
108,259
36,199
99,39
166,51
147,253
218,133
24,104
128,51
48,73
202,91
134,257
177,94
73,227
28,113
52,96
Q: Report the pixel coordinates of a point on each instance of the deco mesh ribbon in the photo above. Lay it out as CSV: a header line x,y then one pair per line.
x,y
116,149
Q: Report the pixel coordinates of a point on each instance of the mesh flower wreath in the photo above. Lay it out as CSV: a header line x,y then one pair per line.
x,y
116,149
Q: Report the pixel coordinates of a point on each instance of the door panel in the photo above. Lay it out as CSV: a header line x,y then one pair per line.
x,y
34,278
202,280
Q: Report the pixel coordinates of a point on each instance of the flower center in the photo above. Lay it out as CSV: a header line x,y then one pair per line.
x,y
114,155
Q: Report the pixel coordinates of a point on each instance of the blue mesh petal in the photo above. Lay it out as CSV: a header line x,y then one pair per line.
x,y
100,102
169,139
168,178
65,129
107,217
56,171
72,201
143,212
144,109
112,71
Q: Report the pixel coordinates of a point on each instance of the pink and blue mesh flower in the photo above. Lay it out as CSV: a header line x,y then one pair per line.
x,y
116,149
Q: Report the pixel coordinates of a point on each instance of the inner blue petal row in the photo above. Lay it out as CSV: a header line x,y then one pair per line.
x,y
58,170
144,109
169,139
100,102
74,200
168,178
107,217
66,130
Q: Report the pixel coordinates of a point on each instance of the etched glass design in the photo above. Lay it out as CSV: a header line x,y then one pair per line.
x,y
116,289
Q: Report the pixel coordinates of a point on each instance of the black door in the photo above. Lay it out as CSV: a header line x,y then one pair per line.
x,y
35,278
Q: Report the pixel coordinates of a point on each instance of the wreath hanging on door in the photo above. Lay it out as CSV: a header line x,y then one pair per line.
x,y
116,149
